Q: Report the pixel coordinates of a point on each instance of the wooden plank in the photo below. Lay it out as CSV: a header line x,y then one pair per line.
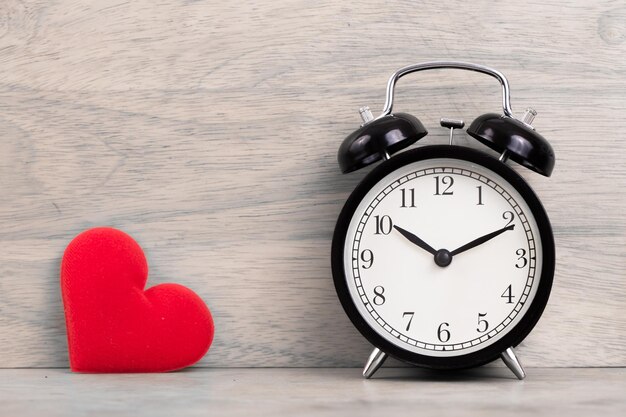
x,y
209,132
314,392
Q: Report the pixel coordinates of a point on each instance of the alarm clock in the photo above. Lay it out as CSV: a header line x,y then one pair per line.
x,y
443,256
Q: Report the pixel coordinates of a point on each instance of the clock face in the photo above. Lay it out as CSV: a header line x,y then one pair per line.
x,y
443,257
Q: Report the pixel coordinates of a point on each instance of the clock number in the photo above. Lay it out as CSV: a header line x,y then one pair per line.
x,y
367,256
480,195
522,257
383,225
482,321
508,216
443,334
410,314
411,195
379,298
508,294
447,180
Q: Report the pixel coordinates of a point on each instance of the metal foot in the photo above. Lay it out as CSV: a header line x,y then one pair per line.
x,y
375,361
510,360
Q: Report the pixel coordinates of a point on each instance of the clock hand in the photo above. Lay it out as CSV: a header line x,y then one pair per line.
x,y
416,240
481,240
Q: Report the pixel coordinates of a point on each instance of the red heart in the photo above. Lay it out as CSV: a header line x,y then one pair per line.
x,y
113,325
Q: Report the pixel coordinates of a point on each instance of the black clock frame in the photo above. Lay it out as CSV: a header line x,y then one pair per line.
x,y
537,306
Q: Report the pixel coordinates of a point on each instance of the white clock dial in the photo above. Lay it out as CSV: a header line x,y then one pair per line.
x,y
444,206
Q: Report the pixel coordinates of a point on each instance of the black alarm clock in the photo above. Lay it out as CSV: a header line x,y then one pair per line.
x,y
443,256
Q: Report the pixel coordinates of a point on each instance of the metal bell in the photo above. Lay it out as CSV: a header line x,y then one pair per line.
x,y
377,139
515,139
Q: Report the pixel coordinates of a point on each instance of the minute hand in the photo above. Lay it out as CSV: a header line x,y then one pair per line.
x,y
481,240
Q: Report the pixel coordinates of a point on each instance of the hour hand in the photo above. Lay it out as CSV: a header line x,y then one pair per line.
x,y
416,240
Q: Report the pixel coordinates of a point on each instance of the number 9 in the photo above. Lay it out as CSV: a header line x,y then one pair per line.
x,y
367,256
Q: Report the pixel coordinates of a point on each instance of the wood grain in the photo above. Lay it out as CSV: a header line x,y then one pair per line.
x,y
314,392
209,132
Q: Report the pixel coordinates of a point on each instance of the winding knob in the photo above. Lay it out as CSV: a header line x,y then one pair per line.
x,y
529,116
366,114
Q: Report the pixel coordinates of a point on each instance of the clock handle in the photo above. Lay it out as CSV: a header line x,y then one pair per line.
x,y
391,84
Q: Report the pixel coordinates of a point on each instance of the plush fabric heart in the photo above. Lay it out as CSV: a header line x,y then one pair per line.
x,y
113,325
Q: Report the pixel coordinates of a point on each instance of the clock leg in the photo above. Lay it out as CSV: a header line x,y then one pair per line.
x,y
375,361
511,361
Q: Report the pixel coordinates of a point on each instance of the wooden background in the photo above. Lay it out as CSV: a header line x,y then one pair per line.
x,y
209,130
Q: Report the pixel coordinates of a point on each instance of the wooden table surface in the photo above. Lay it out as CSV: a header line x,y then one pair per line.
x,y
315,392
